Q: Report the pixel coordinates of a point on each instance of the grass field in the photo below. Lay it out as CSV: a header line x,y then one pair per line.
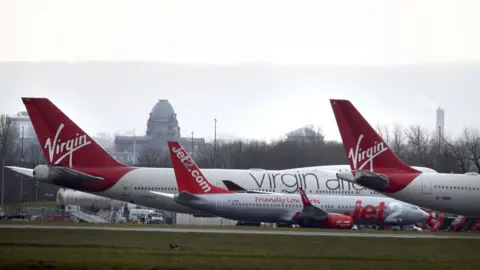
x,y
218,227
92,249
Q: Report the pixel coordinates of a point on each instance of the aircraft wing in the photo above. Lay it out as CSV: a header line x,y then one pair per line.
x,y
232,186
24,171
310,211
365,178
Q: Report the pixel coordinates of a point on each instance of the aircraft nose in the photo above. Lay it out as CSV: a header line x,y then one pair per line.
x,y
424,214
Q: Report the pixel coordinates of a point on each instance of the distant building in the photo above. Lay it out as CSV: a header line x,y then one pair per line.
x,y
162,126
26,133
440,125
22,121
303,133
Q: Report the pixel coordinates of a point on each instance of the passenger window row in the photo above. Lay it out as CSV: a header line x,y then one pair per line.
x,y
456,187
288,205
265,190
153,188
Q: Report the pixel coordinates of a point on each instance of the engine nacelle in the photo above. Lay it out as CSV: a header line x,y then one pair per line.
x,y
43,174
85,200
338,222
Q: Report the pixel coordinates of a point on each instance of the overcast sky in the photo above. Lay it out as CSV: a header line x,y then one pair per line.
x,y
424,54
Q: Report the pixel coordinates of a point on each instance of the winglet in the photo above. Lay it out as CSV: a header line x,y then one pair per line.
x,y
189,177
305,200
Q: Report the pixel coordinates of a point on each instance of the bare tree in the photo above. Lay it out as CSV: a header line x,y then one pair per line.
x,y
419,142
8,137
384,132
459,150
472,138
149,157
398,140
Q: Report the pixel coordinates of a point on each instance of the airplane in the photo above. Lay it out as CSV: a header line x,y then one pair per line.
x,y
76,161
333,211
375,166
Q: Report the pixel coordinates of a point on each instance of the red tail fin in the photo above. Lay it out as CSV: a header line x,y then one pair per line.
x,y
305,200
363,144
63,142
189,177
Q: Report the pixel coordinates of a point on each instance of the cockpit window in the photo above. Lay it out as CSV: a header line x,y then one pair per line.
x,y
414,207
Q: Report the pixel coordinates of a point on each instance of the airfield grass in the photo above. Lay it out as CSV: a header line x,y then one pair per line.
x,y
218,227
28,248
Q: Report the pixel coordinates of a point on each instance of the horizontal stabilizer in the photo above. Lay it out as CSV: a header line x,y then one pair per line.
x,y
186,197
232,186
346,176
371,180
24,171
365,178
168,195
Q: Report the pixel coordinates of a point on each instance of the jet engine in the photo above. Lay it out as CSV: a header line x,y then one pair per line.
x,y
333,221
88,201
338,222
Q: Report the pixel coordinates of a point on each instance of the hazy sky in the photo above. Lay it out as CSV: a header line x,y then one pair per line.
x,y
316,33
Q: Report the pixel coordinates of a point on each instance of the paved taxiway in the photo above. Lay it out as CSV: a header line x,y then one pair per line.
x,y
272,232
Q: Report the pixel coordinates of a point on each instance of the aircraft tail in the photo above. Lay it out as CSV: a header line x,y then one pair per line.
x,y
363,144
189,177
62,141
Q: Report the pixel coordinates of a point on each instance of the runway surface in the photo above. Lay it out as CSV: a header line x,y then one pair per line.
x,y
272,232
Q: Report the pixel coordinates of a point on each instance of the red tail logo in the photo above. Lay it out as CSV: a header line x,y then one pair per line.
x,y
61,138
356,133
361,158
62,150
187,162
188,175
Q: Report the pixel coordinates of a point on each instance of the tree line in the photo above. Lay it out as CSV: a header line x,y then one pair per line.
x,y
415,145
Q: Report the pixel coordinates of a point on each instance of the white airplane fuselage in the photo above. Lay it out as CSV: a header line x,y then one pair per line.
x,y
136,185
284,207
449,193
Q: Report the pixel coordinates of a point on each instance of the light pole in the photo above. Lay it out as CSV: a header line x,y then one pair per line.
x,y
21,175
215,145
192,144
134,148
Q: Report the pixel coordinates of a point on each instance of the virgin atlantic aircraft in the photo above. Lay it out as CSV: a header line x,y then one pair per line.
x,y
375,166
195,191
76,161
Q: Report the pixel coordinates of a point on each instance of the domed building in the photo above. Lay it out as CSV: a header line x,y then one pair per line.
x,y
162,126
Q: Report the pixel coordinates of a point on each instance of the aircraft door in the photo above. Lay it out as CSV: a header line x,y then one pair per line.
x,y
127,191
426,186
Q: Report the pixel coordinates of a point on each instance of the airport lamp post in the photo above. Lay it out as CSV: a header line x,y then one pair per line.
x,y
192,144
21,175
134,148
215,144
